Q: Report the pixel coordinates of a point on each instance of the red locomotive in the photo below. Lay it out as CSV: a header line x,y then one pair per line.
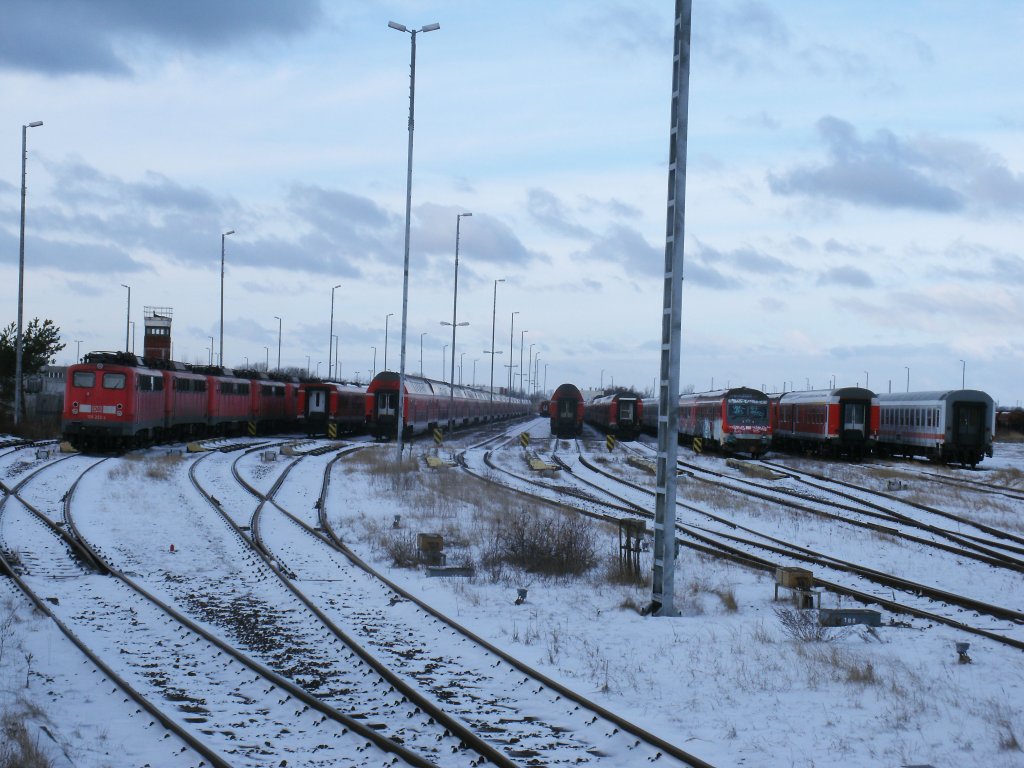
x,y
619,414
566,411
832,422
117,400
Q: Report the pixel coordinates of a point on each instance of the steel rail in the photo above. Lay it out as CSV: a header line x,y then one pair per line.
x,y
457,727
770,566
280,681
158,714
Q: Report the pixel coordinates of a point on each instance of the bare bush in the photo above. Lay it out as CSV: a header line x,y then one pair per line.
x,y
805,627
401,548
546,544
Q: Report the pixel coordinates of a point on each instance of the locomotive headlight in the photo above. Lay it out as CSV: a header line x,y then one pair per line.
x,y
119,408
74,407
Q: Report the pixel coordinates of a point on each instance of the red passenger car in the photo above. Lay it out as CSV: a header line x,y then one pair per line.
x,y
327,403
427,404
566,411
828,423
620,414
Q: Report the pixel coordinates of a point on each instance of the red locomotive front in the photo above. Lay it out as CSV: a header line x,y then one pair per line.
x,y
112,400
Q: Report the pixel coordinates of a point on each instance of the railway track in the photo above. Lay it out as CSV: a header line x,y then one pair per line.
x,y
257,634
518,716
765,552
93,614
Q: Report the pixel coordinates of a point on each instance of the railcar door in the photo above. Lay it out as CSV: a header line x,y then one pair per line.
x,y
387,406
969,425
316,402
854,419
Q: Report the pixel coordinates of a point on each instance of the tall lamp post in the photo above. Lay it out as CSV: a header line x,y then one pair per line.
x,y
453,323
494,310
908,377
223,237
386,319
78,350
529,369
421,353
511,335
211,349
408,216
20,344
522,335
963,374
373,371
267,350
128,318
278,342
330,341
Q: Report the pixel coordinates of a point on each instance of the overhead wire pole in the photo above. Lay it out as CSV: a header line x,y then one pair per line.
x,y
663,586
408,219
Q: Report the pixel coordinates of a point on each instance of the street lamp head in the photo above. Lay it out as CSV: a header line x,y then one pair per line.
x,y
229,232
463,215
430,27
36,124
399,27
337,286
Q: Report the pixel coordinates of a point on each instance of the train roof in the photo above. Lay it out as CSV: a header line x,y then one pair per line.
x,y
567,390
817,395
949,395
615,396
341,386
422,385
115,358
730,392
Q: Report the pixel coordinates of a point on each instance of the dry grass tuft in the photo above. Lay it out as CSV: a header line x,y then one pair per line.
x,y
18,749
158,468
728,597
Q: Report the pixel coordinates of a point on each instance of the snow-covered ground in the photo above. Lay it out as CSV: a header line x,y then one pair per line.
x,y
723,680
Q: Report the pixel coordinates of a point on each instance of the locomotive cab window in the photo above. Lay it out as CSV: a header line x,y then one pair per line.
x,y
84,379
113,380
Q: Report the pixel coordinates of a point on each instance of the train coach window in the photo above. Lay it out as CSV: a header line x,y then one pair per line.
x,y
243,389
84,379
113,380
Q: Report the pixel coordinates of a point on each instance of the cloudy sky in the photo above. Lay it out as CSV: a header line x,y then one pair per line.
x,y
854,197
